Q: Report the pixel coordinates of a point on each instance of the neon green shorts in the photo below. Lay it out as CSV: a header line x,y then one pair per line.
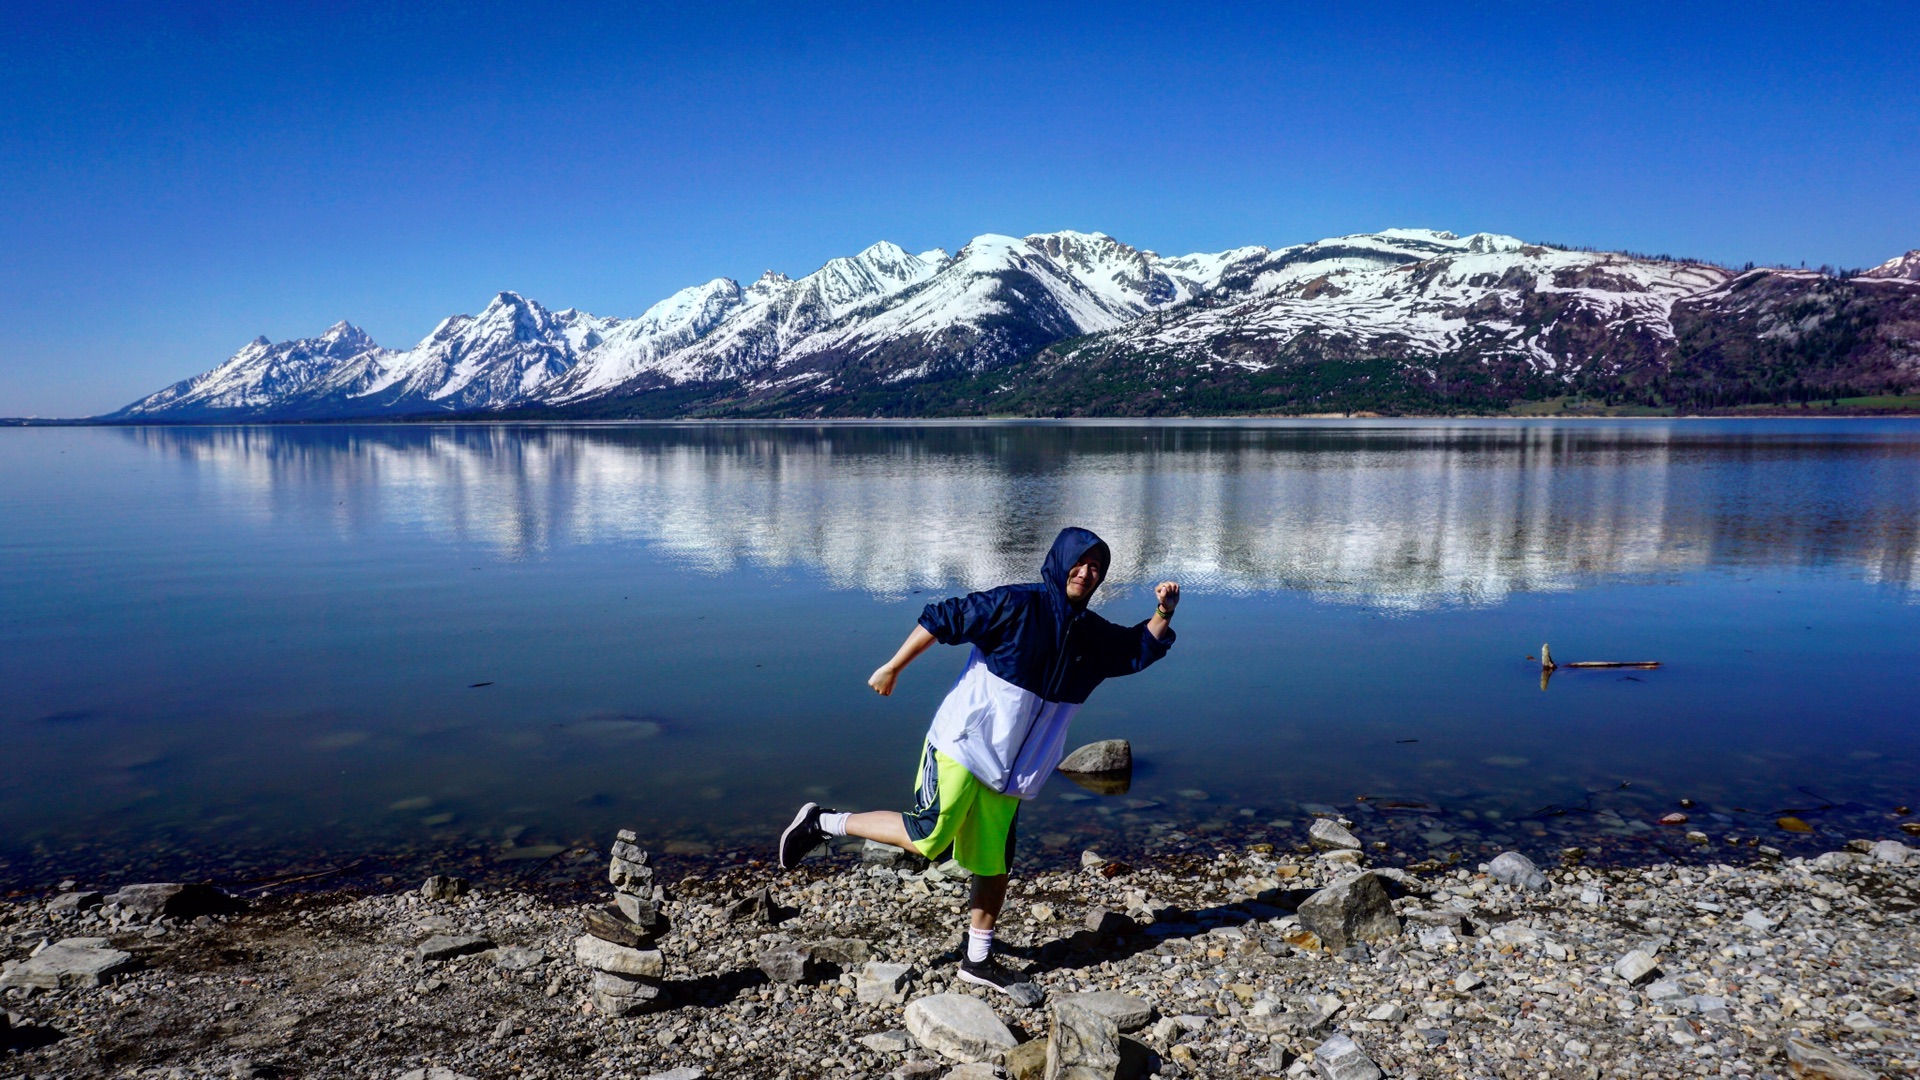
x,y
954,809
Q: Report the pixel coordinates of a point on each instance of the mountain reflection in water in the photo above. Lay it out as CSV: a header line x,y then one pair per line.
x,y
231,651
1399,515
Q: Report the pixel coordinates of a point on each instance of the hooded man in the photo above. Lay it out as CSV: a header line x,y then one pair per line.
x,y
1037,653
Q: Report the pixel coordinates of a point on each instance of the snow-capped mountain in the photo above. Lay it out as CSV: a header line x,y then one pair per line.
x,y
1905,267
264,377
1073,322
1414,293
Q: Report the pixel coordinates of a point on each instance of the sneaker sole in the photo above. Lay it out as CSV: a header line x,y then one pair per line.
x,y
799,821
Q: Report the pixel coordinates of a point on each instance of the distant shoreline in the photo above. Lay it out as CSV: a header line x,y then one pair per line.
x,y
967,421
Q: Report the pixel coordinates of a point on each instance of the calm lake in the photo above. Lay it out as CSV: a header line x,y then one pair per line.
x,y
243,652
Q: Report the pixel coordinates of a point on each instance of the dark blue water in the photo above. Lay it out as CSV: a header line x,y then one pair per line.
x,y
235,652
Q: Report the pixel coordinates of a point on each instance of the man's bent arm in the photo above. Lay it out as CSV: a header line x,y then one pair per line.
x,y
917,642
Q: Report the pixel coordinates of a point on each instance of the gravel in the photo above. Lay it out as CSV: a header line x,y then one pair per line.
x,y
1763,971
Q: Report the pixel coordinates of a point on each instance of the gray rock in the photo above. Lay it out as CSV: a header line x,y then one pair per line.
x,y
1466,982
1352,909
628,869
887,1042
1340,1058
1328,835
1108,755
879,854
1127,1012
1028,1061
518,957
979,1070
882,984
611,924
1808,1062
602,955
1515,870
447,946
150,901
1756,920
434,1072
788,964
642,911
1026,995
1102,921
74,962
618,995
959,1027
70,902
1891,852
1665,990
679,1072
1388,1012
843,952
1636,967
756,906
442,887
1083,1043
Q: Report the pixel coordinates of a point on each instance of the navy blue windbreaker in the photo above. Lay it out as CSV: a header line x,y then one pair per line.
x,y
1035,639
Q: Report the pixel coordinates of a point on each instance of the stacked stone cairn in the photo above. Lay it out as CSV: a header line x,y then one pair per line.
x,y
618,946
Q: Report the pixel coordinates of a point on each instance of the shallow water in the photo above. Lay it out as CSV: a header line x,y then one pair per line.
x,y
231,651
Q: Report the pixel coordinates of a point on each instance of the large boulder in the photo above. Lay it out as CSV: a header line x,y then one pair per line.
x,y
1082,1043
67,964
1351,910
1108,755
960,1027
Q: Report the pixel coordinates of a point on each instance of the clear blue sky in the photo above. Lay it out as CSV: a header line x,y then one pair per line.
x,y
175,179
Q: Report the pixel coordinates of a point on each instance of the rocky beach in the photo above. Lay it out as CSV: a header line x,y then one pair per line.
x,y
1290,959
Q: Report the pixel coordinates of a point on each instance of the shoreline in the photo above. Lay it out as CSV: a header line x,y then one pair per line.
x,y
1469,976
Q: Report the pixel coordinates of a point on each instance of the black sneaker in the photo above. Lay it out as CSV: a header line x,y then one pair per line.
x,y
802,836
990,974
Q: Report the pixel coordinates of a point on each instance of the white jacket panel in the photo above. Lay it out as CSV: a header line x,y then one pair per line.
x,y
1009,738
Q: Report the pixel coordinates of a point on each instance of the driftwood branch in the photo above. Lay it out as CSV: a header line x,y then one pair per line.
x,y
1547,664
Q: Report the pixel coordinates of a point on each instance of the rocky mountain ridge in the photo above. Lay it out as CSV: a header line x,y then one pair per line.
x,y
1068,323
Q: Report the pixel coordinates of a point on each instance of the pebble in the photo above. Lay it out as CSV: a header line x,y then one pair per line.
x,y
1328,835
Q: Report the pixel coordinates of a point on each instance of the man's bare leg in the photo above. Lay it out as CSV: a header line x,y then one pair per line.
x,y
989,895
886,826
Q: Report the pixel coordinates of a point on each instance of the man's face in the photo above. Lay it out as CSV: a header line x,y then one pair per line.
x,y
1082,580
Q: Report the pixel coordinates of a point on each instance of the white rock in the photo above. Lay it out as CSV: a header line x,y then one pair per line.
x,y
1755,919
1467,981
887,1042
883,983
1636,967
1892,852
1340,1058
1329,836
1388,1013
1516,870
618,959
959,1026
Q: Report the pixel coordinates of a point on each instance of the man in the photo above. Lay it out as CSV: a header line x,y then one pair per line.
x,y
1037,653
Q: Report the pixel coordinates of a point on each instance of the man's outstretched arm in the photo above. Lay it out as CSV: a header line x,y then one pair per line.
x,y
882,678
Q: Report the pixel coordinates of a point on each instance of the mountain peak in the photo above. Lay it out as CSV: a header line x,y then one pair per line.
x,y
1900,266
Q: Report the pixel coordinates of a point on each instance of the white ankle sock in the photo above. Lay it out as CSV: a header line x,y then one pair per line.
x,y
834,824
979,944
